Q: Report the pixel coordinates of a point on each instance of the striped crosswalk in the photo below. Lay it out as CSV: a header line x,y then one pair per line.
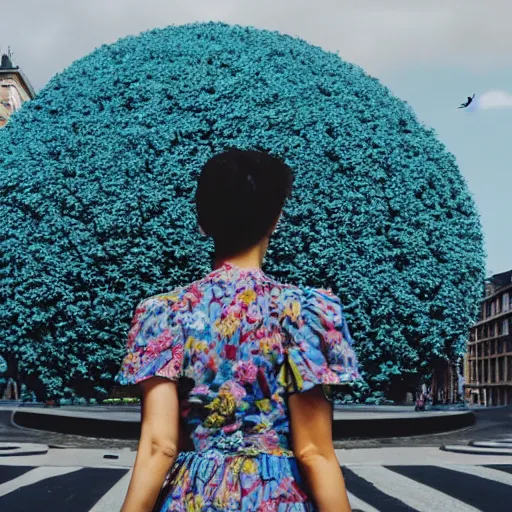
x,y
113,499
30,476
372,488
398,492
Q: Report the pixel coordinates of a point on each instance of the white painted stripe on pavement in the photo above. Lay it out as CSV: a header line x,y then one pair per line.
x,y
490,474
418,496
357,504
34,476
113,499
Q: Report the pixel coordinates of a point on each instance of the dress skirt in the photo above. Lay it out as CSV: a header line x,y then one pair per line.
x,y
215,481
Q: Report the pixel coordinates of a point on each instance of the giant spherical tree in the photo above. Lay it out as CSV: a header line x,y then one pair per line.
x,y
97,177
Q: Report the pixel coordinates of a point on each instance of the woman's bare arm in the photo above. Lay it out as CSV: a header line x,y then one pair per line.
x,y
158,445
311,430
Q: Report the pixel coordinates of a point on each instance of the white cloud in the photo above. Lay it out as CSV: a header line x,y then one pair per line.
x,y
494,99
379,35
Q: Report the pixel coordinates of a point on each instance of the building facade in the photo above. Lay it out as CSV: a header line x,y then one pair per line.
x,y
15,88
488,362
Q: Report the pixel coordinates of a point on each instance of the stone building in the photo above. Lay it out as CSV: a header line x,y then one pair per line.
x,y
447,384
15,88
488,360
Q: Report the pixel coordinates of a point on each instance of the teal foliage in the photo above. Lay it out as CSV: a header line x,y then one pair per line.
x,y
3,365
27,395
97,177
121,401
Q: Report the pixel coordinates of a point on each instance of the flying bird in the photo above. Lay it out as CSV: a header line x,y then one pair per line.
x,y
468,102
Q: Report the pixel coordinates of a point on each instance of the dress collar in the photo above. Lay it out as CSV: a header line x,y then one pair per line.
x,y
228,266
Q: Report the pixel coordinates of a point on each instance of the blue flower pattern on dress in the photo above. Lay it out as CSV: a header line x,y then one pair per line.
x,y
238,343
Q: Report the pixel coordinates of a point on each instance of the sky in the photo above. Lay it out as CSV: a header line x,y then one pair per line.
x,y
432,54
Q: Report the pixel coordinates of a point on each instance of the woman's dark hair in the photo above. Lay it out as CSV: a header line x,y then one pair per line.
x,y
239,196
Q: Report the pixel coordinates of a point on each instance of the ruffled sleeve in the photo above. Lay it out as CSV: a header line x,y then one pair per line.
x,y
155,344
319,348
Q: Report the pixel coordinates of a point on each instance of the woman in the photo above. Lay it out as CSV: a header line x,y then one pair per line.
x,y
231,367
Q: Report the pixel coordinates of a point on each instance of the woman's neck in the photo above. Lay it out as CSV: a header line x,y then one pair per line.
x,y
252,258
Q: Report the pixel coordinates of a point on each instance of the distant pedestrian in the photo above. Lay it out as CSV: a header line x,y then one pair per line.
x,y
421,402
460,384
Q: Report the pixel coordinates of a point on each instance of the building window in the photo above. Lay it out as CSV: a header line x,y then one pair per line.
x,y
491,330
487,310
505,326
505,302
500,328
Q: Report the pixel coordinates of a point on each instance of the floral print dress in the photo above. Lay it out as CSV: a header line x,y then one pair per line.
x,y
238,343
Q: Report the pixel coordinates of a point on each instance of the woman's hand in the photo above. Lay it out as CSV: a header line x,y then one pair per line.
x,y
158,445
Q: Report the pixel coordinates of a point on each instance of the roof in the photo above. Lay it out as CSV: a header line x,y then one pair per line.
x,y
501,279
24,80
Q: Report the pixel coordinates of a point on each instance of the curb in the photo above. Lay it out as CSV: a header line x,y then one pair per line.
x,y
507,445
474,450
22,449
